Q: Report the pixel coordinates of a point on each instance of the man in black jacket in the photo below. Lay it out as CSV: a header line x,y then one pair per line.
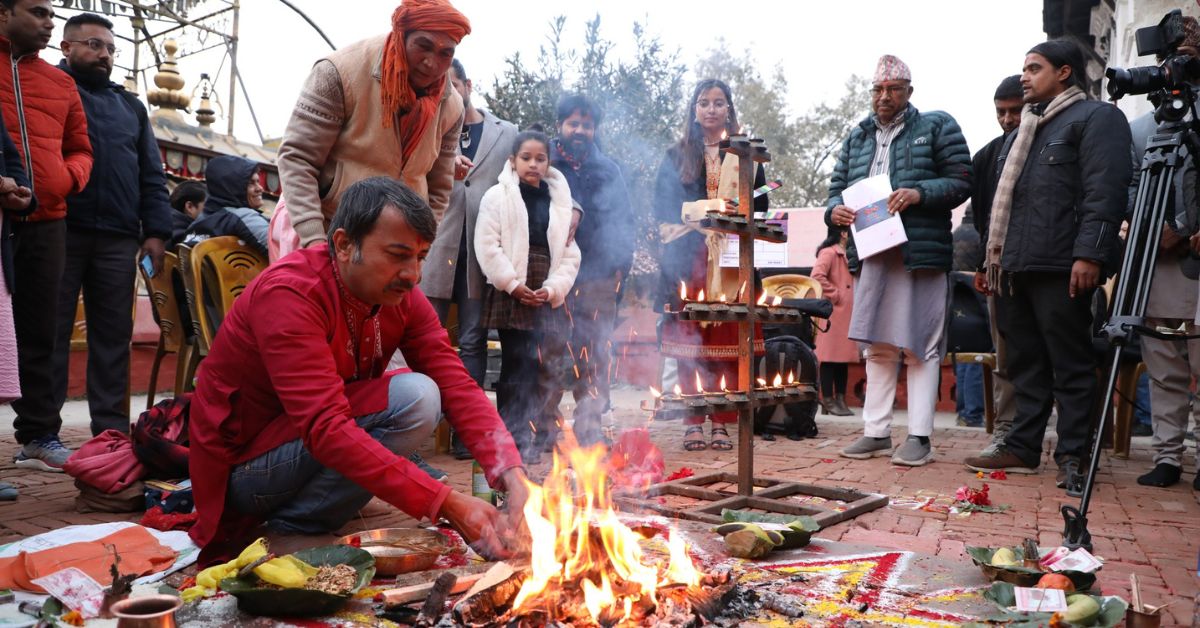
x,y
1009,100
1052,230
606,239
124,202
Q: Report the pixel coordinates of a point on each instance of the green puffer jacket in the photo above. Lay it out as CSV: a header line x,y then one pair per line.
x,y
930,155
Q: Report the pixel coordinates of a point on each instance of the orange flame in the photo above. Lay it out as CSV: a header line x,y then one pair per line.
x,y
678,390
776,300
740,292
723,387
791,377
577,537
700,297
762,300
762,383
721,298
654,392
778,380
699,386
682,291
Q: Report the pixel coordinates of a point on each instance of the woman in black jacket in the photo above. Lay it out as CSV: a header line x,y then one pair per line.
x,y
691,172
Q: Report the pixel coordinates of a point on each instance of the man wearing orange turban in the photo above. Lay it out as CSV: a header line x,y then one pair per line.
x,y
380,106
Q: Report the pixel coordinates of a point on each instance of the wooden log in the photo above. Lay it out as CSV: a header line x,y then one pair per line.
x,y
489,597
435,604
400,596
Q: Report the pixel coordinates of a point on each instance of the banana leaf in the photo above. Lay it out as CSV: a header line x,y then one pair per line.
x,y
258,600
1002,594
1021,575
809,524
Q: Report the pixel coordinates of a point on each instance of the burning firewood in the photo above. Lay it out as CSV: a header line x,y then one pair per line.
x,y
490,597
435,604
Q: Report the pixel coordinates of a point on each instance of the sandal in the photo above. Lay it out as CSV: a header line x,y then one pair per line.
x,y
720,444
694,444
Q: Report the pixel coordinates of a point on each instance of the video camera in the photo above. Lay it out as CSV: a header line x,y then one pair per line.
x,y
1168,83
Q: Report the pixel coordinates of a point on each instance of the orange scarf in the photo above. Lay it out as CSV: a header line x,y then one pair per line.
x,y
399,98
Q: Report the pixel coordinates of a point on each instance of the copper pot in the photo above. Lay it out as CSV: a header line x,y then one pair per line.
x,y
151,611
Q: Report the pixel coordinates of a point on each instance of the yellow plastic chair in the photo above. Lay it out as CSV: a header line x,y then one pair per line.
x,y
221,268
792,287
165,304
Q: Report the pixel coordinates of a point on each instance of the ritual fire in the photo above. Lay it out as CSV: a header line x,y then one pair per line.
x,y
588,568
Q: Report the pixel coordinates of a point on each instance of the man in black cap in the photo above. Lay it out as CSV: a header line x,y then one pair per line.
x,y
1052,233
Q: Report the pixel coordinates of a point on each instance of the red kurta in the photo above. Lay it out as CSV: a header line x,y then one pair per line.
x,y
281,369
832,271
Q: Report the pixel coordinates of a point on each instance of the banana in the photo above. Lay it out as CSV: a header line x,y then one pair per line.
x,y
783,536
288,572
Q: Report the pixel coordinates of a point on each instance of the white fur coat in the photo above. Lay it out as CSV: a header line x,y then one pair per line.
x,y
502,236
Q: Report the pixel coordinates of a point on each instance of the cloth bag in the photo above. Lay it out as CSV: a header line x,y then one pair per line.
x,y
106,463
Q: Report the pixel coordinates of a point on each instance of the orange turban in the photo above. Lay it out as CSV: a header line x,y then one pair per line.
x,y
397,94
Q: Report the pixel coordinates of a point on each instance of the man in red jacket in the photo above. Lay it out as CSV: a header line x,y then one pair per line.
x,y
294,422
46,121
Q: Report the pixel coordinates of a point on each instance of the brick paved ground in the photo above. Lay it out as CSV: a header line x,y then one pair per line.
x,y
1154,533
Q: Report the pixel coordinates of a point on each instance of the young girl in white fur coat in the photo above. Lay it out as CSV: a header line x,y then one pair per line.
x,y
521,242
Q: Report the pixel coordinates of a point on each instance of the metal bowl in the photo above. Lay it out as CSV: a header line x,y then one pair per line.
x,y
400,550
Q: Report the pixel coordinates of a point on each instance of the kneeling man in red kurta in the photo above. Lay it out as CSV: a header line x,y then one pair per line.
x,y
294,422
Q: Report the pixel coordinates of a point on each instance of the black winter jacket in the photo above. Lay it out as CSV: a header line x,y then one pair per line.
x,y
11,167
1072,194
930,155
606,232
127,192
225,211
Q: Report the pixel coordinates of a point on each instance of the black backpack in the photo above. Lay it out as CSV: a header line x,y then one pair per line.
x,y
969,331
788,354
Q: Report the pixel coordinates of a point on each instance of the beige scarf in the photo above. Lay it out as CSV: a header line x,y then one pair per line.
x,y
1013,165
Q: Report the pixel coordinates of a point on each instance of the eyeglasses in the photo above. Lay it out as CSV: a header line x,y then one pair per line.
x,y
712,104
97,45
894,90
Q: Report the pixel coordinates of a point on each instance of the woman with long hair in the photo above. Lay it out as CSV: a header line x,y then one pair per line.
x,y
835,350
691,171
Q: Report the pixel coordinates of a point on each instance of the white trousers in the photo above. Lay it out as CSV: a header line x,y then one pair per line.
x,y
883,370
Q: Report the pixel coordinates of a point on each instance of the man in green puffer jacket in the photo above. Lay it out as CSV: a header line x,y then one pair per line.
x,y
901,294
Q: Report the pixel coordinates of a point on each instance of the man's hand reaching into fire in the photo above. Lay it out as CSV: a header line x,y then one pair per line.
x,y
516,533
495,535
480,524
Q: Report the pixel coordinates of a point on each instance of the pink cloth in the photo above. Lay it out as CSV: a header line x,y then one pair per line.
x,y
106,462
281,238
10,384
837,284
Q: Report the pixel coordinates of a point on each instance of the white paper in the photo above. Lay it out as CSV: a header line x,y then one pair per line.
x,y
1077,560
1040,600
766,254
75,589
874,229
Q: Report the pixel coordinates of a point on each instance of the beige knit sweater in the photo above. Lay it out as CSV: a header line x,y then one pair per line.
x,y
336,137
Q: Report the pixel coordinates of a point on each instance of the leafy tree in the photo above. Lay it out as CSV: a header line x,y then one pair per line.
x,y
640,98
803,149
643,103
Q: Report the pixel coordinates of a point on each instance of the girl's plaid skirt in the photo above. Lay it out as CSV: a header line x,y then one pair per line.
x,y
502,311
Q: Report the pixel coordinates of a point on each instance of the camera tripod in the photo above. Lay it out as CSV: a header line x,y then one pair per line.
x,y
1164,158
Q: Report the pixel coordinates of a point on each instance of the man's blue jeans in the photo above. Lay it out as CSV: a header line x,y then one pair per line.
x,y
295,494
969,385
